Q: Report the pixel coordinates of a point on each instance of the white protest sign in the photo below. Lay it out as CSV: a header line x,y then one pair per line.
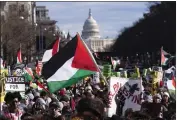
x,y
15,83
96,78
124,91
19,72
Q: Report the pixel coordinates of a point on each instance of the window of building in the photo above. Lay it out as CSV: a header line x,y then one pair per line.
x,y
10,7
2,18
22,8
37,13
43,14
14,7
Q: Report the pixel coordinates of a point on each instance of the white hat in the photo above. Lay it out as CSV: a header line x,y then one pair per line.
x,y
165,93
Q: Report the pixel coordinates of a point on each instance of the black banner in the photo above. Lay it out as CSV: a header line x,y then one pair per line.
x,y
15,79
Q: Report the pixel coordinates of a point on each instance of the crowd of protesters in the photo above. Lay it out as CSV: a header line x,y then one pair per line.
x,y
81,102
85,101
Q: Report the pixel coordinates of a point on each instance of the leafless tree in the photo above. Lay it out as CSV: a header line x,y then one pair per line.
x,y
16,29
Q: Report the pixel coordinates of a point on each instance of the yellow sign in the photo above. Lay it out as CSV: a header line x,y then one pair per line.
x,y
156,78
2,89
3,72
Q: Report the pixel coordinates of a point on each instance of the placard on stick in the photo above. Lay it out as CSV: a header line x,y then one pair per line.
x,y
15,83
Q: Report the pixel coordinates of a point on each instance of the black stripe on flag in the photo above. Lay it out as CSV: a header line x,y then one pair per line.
x,y
58,60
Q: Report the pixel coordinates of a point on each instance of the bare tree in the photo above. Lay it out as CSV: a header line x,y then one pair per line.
x,y
17,29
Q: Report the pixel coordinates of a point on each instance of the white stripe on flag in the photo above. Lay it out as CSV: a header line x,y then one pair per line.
x,y
47,55
64,73
170,85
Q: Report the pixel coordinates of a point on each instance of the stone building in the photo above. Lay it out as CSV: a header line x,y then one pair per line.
x,y
91,36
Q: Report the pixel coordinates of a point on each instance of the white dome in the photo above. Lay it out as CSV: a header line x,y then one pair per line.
x,y
63,34
90,28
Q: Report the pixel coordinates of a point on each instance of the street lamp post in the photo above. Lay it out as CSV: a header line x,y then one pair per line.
x,y
25,61
41,36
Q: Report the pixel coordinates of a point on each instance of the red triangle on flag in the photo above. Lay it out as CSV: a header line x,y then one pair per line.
x,y
162,57
19,56
82,58
55,47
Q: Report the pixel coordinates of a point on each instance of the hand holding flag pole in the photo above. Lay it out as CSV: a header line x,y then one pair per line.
x,y
41,86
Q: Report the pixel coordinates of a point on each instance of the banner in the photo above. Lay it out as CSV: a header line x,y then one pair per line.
x,y
123,94
15,83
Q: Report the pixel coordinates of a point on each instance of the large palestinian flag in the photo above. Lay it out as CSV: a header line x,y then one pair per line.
x,y
51,50
71,64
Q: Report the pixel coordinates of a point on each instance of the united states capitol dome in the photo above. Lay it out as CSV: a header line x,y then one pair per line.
x,y
90,28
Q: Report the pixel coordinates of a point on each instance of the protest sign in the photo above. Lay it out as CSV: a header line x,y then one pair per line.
x,y
15,83
2,91
124,93
19,72
96,78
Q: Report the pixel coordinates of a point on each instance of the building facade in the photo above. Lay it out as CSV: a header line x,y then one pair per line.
x,y
20,8
91,36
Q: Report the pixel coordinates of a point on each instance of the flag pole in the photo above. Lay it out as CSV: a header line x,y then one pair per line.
x,y
21,54
161,56
20,46
94,61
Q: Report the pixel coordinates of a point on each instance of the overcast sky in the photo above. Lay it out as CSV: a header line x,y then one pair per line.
x,y
110,16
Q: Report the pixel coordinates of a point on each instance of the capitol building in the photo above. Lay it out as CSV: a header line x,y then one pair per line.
x,y
91,36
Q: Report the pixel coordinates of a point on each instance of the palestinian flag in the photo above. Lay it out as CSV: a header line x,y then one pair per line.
x,y
19,56
41,86
171,84
28,74
165,57
51,50
73,63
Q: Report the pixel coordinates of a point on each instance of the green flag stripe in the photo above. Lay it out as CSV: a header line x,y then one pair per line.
x,y
56,85
27,77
